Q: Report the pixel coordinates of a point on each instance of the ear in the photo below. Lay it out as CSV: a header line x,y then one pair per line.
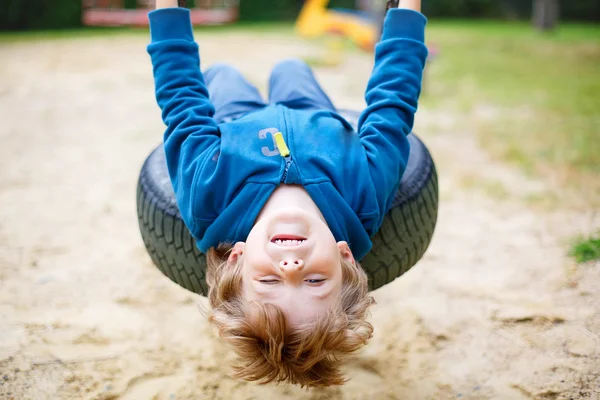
x,y
346,253
236,252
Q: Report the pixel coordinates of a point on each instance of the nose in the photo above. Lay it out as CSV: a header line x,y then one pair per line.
x,y
292,264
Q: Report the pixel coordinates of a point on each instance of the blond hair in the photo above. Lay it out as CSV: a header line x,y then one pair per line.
x,y
308,355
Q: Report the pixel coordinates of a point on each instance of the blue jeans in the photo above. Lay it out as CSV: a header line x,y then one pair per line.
x,y
291,84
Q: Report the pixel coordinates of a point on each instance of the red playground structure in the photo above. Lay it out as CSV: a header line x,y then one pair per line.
x,y
114,13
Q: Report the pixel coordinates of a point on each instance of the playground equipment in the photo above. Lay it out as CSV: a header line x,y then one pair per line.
x,y
361,27
115,12
398,245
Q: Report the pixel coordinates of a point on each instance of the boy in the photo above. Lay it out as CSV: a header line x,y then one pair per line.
x,y
284,197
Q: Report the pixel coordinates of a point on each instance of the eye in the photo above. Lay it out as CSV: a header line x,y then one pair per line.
x,y
314,281
269,281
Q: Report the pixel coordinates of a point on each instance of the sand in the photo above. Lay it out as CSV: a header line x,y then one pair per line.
x,y
495,309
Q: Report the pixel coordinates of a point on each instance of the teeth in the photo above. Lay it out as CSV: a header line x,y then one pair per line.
x,y
288,242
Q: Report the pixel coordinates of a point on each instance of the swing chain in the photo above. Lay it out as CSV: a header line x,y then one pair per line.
x,y
390,4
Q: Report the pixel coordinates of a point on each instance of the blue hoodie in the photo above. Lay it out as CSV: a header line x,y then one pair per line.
x,y
223,174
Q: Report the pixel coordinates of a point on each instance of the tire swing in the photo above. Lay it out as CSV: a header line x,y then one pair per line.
x,y
401,241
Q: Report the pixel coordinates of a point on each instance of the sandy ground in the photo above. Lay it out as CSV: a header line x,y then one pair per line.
x,y
495,310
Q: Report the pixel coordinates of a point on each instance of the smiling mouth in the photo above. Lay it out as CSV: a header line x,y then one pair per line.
x,y
288,240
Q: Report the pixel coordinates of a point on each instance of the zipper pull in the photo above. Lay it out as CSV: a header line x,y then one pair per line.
x,y
284,152
281,146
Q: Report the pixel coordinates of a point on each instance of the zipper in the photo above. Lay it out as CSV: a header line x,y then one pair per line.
x,y
288,163
284,152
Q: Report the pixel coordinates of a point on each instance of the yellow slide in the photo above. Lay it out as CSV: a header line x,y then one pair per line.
x,y
315,20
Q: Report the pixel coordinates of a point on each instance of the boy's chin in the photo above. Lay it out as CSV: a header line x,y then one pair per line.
x,y
290,221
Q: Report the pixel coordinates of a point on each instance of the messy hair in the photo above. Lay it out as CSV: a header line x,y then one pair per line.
x,y
308,355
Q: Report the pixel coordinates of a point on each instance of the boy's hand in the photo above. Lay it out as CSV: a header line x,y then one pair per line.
x,y
166,4
409,4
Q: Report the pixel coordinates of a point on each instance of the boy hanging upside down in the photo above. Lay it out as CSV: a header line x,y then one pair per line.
x,y
283,196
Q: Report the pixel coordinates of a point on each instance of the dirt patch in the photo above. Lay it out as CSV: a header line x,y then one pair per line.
x,y
494,310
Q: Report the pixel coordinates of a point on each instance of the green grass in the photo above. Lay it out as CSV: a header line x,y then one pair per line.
x,y
542,89
586,249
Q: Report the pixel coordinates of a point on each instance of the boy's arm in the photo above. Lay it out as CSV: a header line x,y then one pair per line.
x,y
166,4
392,96
191,136
414,5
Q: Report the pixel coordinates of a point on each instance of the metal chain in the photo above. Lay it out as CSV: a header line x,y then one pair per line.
x,y
392,4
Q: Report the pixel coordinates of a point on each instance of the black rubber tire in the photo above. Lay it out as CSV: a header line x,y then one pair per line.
x,y
401,241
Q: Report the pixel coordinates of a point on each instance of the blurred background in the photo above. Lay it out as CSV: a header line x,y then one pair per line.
x,y
505,302
60,14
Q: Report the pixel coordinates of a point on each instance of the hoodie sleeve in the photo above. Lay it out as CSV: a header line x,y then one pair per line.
x,y
392,95
192,135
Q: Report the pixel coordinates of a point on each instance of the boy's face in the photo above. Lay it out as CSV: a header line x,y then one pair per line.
x,y
292,260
